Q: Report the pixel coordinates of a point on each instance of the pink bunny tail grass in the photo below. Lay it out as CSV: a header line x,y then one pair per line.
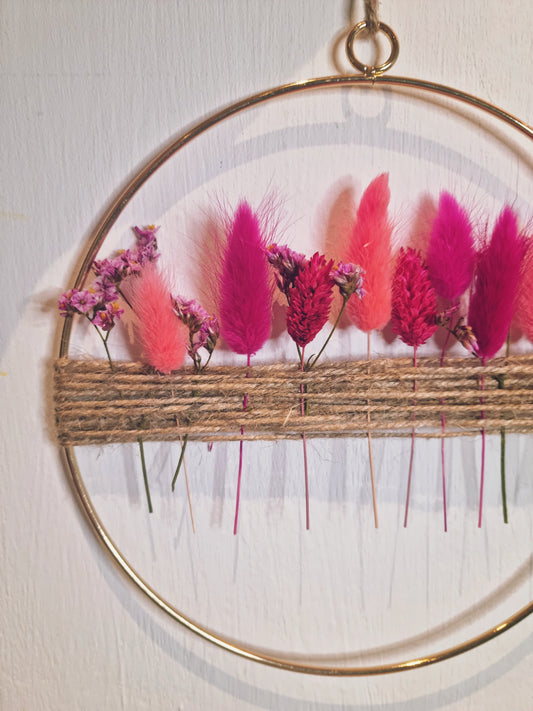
x,y
245,286
524,303
245,295
495,288
241,446
492,302
369,246
451,259
451,256
163,336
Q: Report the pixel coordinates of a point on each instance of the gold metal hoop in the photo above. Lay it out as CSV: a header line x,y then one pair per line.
x,y
98,238
372,70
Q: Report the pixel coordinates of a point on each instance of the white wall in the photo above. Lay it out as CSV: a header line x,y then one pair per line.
x,y
89,91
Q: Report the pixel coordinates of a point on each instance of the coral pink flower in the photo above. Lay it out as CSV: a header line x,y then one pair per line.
x,y
414,303
310,299
370,246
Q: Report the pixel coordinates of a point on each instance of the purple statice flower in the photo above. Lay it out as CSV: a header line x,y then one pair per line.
x,y
466,337
105,318
147,254
348,277
109,269
146,244
444,317
128,262
287,264
105,289
203,328
82,301
190,312
64,305
210,331
146,235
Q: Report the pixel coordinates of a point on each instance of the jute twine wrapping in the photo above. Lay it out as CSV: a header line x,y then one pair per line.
x,y
96,406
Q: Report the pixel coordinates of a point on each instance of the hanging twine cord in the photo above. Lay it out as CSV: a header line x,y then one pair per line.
x,y
96,406
371,16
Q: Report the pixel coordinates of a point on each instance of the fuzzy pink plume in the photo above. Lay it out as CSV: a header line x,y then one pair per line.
x,y
164,338
245,286
451,256
495,288
414,302
369,246
524,303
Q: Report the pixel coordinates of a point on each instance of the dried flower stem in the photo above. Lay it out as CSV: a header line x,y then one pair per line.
x,y
241,445
145,475
370,453
302,412
124,296
188,488
313,359
442,457
104,341
411,458
141,448
501,383
483,438
183,443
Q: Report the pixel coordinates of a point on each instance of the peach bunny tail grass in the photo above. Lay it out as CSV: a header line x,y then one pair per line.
x,y
162,335
369,246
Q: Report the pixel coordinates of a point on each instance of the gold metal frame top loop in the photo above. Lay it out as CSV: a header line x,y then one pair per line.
x,y
372,70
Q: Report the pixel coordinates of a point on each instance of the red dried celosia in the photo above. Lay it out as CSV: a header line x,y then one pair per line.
x,y
414,304
310,299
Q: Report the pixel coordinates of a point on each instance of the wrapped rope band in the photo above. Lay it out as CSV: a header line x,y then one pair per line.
x,y
96,406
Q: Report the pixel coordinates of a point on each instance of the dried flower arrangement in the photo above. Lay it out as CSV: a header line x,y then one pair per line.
x,y
428,398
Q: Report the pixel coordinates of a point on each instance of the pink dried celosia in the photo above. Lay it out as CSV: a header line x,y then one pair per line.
x,y
310,299
370,248
414,303
163,336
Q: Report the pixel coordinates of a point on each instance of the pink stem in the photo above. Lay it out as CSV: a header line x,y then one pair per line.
x,y
302,412
482,450
241,443
412,452
443,465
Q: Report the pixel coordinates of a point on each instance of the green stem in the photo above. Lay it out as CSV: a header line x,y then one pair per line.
x,y
119,290
501,382
180,460
104,341
145,475
139,440
313,359
204,366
